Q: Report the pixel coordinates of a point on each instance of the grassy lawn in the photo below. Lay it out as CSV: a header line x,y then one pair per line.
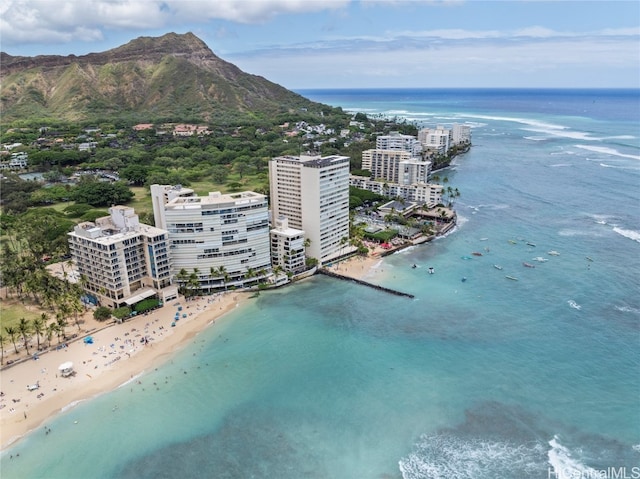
x,y
141,201
12,311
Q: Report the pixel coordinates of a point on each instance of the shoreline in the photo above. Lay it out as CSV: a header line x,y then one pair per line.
x,y
117,356
22,410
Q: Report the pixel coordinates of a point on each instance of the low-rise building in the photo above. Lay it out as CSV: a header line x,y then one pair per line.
x,y
287,247
424,193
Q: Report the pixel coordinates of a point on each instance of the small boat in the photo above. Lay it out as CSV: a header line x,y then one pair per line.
x,y
530,244
528,265
513,242
589,258
497,266
476,253
414,266
512,278
540,259
484,239
464,278
431,270
553,253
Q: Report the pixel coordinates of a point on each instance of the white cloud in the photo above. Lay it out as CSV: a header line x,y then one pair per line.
x,y
558,62
34,21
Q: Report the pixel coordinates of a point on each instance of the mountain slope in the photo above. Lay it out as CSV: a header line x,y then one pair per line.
x,y
172,76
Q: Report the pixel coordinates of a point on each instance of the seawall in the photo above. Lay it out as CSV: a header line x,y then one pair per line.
x,y
364,283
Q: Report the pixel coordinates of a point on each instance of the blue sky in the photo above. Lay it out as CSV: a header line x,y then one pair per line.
x,y
360,43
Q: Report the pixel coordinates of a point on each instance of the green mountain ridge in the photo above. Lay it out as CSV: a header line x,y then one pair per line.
x,y
175,76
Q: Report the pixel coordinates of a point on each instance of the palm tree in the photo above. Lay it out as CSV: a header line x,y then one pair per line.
x,y
213,273
182,278
193,283
12,333
24,329
50,330
61,322
39,324
225,275
75,307
3,339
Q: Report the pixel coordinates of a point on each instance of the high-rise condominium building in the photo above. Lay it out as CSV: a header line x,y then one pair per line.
x,y
222,239
122,261
161,195
395,166
312,192
397,141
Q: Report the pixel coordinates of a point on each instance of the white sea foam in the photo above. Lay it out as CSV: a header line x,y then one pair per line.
x,y
443,456
525,121
572,232
536,138
628,309
462,220
132,379
499,206
552,132
574,305
631,234
604,165
564,464
71,405
607,151
561,165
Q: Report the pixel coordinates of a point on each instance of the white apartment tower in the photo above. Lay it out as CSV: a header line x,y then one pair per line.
x,y
413,171
121,260
221,238
383,164
312,192
437,139
461,134
397,141
395,166
161,195
287,247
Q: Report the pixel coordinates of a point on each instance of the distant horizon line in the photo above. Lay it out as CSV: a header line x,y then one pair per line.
x,y
467,88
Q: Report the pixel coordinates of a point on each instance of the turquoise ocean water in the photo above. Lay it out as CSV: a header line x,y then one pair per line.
x,y
487,378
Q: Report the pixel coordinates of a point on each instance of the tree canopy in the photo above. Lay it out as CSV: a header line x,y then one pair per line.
x,y
100,193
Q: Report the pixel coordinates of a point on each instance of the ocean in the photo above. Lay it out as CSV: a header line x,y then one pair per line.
x,y
489,377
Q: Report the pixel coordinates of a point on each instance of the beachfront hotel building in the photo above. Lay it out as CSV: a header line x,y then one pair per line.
x,y
122,261
287,247
222,239
312,192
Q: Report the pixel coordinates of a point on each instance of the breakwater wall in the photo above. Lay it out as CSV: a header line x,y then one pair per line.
x,y
364,283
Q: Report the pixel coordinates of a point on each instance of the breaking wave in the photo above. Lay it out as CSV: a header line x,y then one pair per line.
x,y
444,456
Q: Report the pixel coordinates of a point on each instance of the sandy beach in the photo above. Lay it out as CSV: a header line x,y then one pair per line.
x,y
117,354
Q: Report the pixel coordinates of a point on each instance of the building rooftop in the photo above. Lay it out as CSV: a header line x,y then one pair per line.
x,y
216,198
